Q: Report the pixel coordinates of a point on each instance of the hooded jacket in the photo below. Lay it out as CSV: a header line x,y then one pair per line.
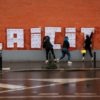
x,y
65,43
47,44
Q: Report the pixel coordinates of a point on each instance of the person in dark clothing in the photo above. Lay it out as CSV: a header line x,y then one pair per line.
x,y
65,50
48,47
87,45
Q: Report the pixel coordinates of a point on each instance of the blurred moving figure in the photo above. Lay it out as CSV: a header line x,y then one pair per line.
x,y
65,50
48,47
87,45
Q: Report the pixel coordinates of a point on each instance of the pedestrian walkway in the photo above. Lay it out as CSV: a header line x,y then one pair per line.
x,y
50,85
29,66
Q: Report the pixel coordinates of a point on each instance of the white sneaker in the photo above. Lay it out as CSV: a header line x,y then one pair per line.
x,y
83,59
91,58
55,60
58,60
69,62
46,61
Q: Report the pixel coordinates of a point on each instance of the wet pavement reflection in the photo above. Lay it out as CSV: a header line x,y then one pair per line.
x,y
50,85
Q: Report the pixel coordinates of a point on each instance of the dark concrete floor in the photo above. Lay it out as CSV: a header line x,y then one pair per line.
x,y
50,85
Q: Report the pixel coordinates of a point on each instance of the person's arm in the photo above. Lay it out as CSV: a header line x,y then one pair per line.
x,y
43,45
91,35
68,45
84,44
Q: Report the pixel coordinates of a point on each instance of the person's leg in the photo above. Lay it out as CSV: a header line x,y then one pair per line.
x,y
53,53
68,53
84,55
90,53
63,54
47,51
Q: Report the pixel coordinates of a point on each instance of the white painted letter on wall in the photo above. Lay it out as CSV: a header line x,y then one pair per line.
x,y
70,32
86,31
50,31
0,46
19,39
35,38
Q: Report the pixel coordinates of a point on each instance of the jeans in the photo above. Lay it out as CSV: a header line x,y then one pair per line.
x,y
65,51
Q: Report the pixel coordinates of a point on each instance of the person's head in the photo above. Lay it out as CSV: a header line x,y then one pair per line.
x,y
47,37
44,38
87,36
66,38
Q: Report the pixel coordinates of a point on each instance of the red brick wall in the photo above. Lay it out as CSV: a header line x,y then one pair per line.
x,y
28,14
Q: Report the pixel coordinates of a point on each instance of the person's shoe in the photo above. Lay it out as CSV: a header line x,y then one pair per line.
x,y
91,58
83,59
46,61
55,60
58,60
69,62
